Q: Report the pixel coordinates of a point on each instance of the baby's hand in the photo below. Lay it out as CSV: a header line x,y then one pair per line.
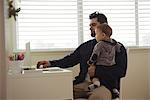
x,y
91,71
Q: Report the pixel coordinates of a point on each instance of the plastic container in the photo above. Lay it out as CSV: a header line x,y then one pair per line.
x,y
15,67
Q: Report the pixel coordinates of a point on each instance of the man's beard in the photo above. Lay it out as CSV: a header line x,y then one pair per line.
x,y
92,33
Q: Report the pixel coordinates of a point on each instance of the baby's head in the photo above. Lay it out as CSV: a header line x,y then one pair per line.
x,y
103,32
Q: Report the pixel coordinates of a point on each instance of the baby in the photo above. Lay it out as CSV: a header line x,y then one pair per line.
x,y
103,53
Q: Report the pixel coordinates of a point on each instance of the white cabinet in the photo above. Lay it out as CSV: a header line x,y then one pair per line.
x,y
47,85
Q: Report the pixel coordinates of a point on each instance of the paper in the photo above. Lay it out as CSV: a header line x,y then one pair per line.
x,y
27,60
45,70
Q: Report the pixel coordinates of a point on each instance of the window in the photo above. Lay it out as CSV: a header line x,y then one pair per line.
x,y
61,24
121,17
47,24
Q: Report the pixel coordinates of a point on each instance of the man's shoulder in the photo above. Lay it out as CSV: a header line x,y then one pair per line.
x,y
122,46
118,43
89,42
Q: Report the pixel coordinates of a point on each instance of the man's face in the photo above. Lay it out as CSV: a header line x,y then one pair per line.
x,y
93,25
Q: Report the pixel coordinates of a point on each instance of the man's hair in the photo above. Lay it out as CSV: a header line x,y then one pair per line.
x,y
100,17
105,29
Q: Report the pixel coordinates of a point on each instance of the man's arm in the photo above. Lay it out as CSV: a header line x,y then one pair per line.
x,y
67,61
121,60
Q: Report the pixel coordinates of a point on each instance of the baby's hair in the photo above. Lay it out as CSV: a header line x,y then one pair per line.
x,y
105,28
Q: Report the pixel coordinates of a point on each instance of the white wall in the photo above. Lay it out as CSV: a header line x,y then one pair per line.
x,y
2,55
1,51
149,74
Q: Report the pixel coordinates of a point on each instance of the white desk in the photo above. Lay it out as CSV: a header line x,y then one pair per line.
x,y
50,85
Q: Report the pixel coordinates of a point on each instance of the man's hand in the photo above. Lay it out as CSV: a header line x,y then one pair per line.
x,y
91,70
43,64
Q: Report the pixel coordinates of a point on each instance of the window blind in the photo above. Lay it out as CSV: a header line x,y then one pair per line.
x,y
47,24
62,24
144,22
121,17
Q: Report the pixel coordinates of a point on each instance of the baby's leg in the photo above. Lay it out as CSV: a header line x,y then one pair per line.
x,y
96,84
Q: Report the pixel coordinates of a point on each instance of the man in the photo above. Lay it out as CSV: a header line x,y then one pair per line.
x,y
80,56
